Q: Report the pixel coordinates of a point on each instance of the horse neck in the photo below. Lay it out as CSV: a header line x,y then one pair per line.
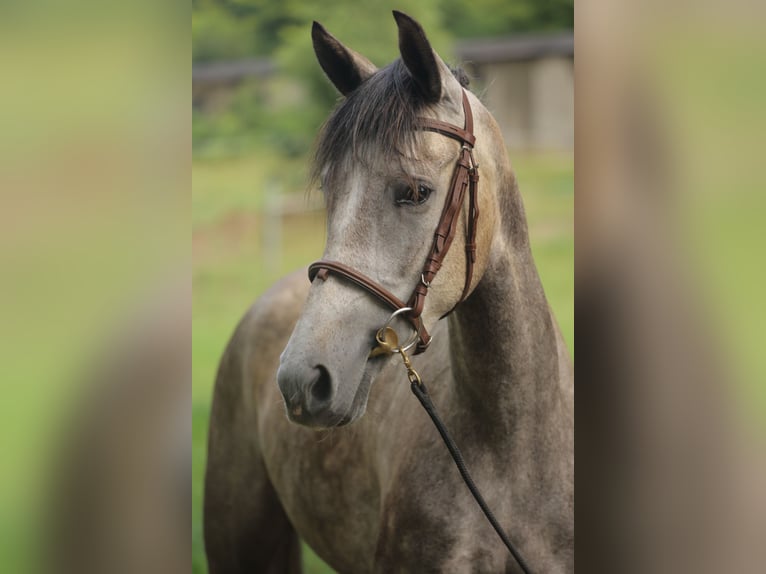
x,y
503,338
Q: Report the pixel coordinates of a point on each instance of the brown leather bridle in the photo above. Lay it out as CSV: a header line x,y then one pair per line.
x,y
466,175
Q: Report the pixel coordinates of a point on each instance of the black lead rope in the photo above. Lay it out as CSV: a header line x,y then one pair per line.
x,y
420,391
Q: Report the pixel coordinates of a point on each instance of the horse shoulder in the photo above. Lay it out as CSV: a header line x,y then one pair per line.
x,y
270,320
240,501
265,328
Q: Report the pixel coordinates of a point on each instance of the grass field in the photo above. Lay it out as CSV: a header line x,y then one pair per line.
x,y
231,267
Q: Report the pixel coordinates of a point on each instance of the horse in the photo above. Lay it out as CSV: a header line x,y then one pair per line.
x,y
314,437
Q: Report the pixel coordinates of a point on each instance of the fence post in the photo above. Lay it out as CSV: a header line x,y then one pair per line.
x,y
271,238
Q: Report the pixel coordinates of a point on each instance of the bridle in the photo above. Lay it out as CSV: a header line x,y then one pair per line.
x,y
465,176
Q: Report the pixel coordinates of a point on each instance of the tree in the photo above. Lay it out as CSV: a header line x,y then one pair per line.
x,y
226,29
485,18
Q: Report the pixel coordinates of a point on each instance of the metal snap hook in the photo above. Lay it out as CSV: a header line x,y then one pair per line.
x,y
388,340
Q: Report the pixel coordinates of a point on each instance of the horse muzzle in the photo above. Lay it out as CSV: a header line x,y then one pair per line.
x,y
309,393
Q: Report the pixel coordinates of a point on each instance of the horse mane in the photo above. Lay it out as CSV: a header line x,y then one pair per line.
x,y
378,120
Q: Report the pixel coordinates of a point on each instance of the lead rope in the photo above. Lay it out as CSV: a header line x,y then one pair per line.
x,y
388,343
420,391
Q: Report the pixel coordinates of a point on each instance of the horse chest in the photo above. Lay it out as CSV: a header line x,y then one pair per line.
x,y
329,491
361,499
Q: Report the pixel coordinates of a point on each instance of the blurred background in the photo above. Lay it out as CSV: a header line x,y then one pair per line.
x,y
259,98
96,146
95,140
671,400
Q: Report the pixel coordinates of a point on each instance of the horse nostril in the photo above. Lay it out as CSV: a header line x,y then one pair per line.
x,y
321,390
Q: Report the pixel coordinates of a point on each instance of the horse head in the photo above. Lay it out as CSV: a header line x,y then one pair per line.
x,y
385,181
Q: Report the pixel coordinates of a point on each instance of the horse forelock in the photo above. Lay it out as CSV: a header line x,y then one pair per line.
x,y
377,122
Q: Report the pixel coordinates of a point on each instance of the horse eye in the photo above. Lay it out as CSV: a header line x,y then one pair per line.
x,y
417,195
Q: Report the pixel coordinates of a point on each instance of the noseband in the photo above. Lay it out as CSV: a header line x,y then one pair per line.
x,y
466,175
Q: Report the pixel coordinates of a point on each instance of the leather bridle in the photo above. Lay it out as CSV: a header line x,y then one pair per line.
x,y
465,176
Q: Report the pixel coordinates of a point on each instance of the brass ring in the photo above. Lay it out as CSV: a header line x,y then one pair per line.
x,y
412,340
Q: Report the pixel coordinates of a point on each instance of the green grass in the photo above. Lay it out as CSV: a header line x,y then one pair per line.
x,y
241,185
230,269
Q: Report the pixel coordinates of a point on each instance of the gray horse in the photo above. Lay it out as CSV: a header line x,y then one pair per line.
x,y
382,494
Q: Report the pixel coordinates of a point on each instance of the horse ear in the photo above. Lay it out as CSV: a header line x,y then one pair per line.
x,y
345,68
419,57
